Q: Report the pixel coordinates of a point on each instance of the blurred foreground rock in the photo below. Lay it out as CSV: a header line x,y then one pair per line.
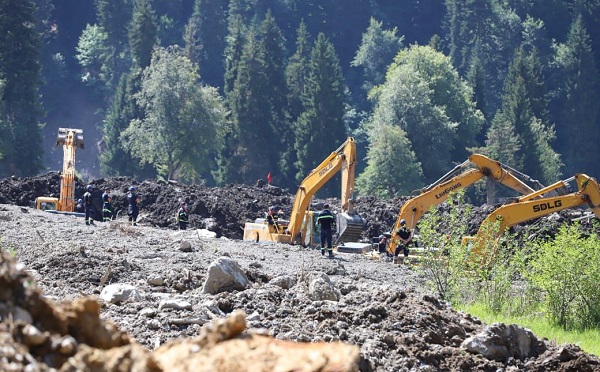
x,y
39,335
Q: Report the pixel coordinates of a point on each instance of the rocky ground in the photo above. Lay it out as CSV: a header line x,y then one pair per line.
x,y
159,286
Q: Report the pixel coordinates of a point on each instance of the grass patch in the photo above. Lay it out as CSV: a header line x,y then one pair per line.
x,y
589,340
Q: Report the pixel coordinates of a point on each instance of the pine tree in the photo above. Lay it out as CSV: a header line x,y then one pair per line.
x,y
142,33
272,48
523,98
233,52
251,114
113,15
204,39
320,128
579,123
115,160
296,75
20,127
376,51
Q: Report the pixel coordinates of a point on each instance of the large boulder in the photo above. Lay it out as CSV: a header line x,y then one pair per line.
x,y
224,275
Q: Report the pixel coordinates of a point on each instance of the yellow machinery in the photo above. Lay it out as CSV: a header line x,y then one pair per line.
x,y
300,227
529,207
439,191
70,139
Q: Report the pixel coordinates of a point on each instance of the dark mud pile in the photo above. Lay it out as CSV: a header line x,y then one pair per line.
x,y
225,210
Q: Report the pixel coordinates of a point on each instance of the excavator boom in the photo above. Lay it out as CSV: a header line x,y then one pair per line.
x,y
526,208
439,191
70,140
342,159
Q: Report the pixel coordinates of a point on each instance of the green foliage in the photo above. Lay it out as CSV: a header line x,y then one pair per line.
x,y
183,120
424,96
386,176
20,68
376,52
565,270
142,33
578,126
444,260
91,52
523,107
320,128
204,39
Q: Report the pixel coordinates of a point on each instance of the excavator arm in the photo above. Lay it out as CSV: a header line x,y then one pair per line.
x,y
344,159
439,191
528,208
299,227
70,139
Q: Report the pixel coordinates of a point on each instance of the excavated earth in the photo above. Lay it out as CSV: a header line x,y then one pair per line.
x,y
296,311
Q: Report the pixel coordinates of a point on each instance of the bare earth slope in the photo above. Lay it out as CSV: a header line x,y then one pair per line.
x,y
382,309
386,311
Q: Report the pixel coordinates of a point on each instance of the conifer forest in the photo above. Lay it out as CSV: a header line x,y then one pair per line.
x,y
218,92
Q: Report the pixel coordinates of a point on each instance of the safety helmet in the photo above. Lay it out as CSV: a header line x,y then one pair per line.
x,y
79,201
402,222
107,188
132,188
381,236
89,187
272,208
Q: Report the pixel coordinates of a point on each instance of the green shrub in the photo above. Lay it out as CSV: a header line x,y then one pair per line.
x,y
567,271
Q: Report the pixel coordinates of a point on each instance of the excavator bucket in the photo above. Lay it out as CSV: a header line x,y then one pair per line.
x,y
350,227
64,136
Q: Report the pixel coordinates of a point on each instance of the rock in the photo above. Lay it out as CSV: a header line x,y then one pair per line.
x,y
67,345
156,280
33,336
116,293
500,342
321,288
174,304
185,246
224,275
206,234
284,281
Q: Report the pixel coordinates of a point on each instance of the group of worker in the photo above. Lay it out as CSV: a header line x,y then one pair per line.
x,y
326,220
86,205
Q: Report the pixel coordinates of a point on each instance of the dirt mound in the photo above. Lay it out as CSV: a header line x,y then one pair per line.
x,y
383,310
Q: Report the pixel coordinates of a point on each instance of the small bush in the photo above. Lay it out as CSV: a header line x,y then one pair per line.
x,y
567,271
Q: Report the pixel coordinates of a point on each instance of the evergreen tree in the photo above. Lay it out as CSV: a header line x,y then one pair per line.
x,y
233,53
204,39
115,159
142,33
272,48
20,80
376,52
387,176
320,128
251,114
579,122
113,15
523,97
296,75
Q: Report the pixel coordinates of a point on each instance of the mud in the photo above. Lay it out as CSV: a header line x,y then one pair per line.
x,y
386,311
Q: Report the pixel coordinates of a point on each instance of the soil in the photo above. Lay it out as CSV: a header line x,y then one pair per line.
x,y
383,311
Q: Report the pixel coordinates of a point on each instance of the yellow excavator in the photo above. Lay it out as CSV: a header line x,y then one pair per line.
x,y
70,140
299,229
529,207
473,169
